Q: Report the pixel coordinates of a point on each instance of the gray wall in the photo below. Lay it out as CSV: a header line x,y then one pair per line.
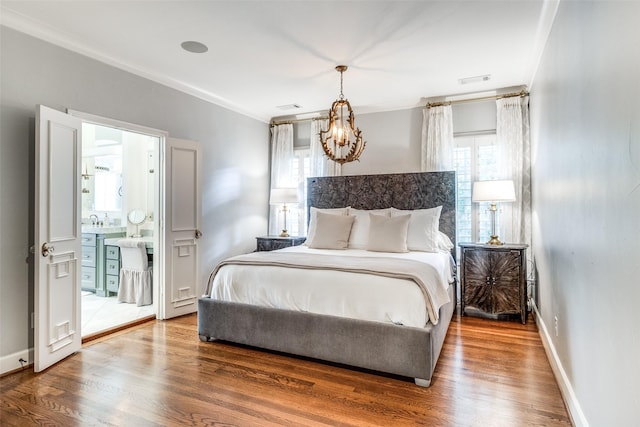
x,y
394,137
235,176
585,117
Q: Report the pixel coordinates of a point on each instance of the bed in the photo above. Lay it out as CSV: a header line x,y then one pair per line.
x,y
400,343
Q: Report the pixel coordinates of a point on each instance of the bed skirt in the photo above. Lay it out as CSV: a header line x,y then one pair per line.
x,y
400,350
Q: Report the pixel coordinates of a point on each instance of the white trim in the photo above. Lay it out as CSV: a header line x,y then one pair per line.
x,y
547,17
36,29
118,124
11,362
570,399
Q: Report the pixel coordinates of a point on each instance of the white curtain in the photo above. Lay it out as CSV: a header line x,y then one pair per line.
x,y
321,165
281,176
514,162
437,139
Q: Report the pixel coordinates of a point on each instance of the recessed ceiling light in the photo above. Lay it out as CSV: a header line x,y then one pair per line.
x,y
475,79
194,47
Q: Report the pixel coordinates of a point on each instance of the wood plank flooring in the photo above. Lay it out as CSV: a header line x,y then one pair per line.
x,y
490,373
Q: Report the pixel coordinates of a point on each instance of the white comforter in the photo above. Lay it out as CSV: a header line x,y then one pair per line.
x,y
337,293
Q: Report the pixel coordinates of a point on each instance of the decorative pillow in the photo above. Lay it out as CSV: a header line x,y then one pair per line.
x,y
360,231
388,234
444,242
423,228
332,231
313,219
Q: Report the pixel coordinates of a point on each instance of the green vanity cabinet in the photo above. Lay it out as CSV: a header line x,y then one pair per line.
x,y
112,268
95,265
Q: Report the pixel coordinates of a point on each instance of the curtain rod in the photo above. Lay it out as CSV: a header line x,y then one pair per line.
x,y
288,122
521,94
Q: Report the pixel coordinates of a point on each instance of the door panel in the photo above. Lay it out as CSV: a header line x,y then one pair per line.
x,y
182,223
57,237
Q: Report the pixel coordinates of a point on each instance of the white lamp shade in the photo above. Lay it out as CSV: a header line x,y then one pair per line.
x,y
283,195
493,191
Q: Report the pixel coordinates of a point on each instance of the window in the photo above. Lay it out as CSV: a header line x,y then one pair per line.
x,y
475,159
300,170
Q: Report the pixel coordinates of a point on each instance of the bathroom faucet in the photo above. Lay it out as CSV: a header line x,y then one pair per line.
x,y
94,219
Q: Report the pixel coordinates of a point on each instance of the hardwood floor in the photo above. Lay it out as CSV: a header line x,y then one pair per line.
x,y
490,373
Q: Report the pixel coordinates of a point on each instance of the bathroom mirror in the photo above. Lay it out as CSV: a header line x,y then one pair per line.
x,y
136,217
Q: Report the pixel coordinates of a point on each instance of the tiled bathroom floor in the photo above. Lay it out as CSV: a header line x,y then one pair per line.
x,y
101,313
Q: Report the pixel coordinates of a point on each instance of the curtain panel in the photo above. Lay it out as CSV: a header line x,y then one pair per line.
x,y
437,139
281,176
321,165
514,162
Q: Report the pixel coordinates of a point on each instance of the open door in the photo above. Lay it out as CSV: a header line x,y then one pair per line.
x,y
57,241
181,208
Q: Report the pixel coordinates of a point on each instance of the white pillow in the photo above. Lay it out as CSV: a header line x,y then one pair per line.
x,y
444,242
388,234
360,230
332,231
313,219
423,228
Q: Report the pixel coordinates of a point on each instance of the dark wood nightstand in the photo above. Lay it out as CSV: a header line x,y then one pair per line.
x,y
271,243
493,280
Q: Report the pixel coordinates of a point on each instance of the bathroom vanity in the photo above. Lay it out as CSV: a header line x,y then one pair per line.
x,y
95,260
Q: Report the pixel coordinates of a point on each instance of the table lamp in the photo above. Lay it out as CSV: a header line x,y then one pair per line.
x,y
284,196
494,192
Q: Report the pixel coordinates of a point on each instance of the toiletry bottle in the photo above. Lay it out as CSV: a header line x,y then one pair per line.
x,y
106,220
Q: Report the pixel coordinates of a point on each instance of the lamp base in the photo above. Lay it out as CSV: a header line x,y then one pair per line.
x,y
494,241
284,233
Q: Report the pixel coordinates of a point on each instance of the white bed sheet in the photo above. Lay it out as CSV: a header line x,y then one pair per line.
x,y
345,294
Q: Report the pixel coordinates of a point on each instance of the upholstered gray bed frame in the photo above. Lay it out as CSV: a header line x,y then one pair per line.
x,y
400,350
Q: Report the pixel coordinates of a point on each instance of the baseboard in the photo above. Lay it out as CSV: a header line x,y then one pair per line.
x,y
11,362
571,401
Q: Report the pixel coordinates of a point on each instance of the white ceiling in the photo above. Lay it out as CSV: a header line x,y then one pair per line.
x,y
263,54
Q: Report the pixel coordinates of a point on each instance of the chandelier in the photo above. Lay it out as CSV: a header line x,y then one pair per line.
x,y
342,141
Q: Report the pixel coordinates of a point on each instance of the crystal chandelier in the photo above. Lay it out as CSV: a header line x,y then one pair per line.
x,y
342,141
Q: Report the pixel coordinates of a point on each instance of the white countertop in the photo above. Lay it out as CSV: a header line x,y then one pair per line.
x,y
103,230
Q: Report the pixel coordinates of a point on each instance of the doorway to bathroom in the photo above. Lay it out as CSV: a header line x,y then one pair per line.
x,y
119,204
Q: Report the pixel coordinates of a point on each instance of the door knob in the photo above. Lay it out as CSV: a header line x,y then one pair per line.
x,y
46,249
198,234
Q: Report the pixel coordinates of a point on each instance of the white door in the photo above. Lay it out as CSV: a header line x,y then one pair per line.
x,y
182,216
57,247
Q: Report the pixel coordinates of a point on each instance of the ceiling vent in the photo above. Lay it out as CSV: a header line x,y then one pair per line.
x,y
475,79
289,107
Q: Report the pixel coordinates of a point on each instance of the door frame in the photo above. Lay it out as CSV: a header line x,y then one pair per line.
x,y
158,224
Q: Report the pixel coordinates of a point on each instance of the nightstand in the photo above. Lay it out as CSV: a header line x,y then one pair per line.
x,y
493,280
271,243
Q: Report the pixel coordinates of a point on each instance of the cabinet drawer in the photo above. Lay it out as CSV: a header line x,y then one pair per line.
x,y
112,267
88,278
88,239
113,252
113,282
88,256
